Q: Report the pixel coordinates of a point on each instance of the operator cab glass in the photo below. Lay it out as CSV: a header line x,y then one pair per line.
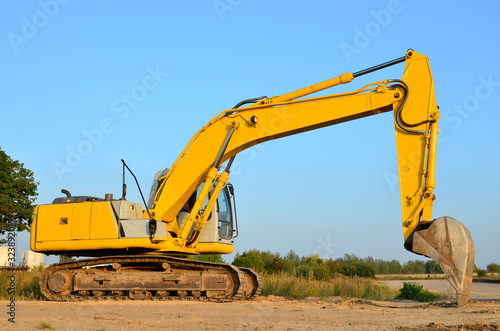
x,y
225,222
219,226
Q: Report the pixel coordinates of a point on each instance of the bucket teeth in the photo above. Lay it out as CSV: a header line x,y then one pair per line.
x,y
449,243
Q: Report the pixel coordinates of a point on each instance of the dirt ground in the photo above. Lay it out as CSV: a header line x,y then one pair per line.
x,y
271,313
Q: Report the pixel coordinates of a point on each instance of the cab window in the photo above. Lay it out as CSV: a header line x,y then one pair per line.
x,y
225,215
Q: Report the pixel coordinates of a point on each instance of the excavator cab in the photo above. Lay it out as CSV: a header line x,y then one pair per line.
x,y
220,225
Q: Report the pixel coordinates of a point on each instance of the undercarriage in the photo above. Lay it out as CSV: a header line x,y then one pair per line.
x,y
151,277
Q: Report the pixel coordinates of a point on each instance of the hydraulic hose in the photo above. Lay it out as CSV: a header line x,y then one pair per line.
x,y
399,118
253,100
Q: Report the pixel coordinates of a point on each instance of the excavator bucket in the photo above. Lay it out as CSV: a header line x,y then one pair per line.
x,y
449,243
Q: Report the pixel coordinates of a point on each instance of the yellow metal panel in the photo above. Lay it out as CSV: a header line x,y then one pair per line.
x,y
125,244
33,229
214,248
412,148
54,222
80,226
103,224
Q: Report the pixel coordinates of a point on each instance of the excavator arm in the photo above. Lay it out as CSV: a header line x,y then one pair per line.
x,y
416,118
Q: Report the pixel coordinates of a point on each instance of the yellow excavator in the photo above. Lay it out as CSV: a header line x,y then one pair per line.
x,y
136,253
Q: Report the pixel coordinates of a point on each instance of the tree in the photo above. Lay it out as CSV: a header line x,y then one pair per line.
x,y
207,258
293,258
493,267
383,267
432,267
414,267
17,195
335,266
358,269
395,267
251,259
370,262
65,258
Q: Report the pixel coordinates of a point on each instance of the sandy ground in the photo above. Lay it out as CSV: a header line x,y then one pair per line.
x,y
271,313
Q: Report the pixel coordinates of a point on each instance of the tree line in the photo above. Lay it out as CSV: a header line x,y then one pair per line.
x,y
315,268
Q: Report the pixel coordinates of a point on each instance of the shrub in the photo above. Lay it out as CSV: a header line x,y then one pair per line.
x,y
410,291
481,273
414,291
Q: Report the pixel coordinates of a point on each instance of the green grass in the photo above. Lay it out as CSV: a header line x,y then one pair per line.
x,y
299,288
27,284
45,326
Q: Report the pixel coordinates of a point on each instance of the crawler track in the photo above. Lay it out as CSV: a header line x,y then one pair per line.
x,y
253,283
143,277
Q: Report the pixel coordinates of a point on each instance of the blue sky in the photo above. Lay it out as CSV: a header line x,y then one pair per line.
x,y
85,84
